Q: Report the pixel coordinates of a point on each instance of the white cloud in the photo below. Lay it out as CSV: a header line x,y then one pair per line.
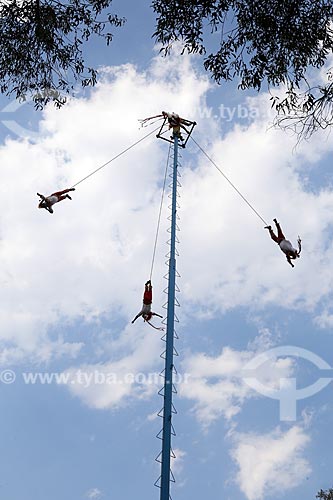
x,y
239,264
270,463
177,466
94,494
177,462
324,320
122,380
90,259
216,383
93,255
265,340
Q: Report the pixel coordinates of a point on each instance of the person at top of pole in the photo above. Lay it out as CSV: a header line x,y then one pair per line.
x,y
146,311
48,201
174,120
290,252
176,123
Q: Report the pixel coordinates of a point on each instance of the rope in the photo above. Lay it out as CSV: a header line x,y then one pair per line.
x,y
159,215
160,328
115,157
231,184
144,121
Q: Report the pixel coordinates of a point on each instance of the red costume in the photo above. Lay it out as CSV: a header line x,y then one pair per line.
x,y
148,294
146,311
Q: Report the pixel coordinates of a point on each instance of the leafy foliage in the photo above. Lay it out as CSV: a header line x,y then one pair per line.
x,y
41,46
325,495
259,42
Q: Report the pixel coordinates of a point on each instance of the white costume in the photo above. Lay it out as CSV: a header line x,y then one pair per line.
x,y
286,246
146,309
52,199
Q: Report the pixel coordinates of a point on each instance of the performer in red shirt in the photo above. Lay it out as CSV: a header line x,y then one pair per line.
x,y
47,201
146,311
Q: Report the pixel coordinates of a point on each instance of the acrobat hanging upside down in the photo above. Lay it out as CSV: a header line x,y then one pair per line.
x,y
146,311
47,201
290,252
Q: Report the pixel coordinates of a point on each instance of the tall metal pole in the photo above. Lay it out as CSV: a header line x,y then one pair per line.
x,y
167,412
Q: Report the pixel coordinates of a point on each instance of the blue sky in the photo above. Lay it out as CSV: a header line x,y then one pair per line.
x,y
73,281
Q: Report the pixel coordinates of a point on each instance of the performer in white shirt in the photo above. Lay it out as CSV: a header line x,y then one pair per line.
x,y
47,201
290,252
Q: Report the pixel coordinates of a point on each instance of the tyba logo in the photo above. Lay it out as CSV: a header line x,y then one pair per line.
x,y
287,393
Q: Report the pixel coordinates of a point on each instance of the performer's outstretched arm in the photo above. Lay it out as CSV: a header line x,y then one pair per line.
x,y
155,314
137,316
289,260
299,241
